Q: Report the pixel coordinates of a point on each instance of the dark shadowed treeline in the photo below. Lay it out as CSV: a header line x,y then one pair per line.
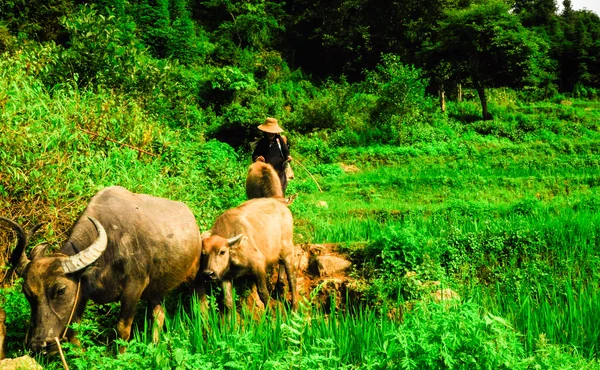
x,y
228,54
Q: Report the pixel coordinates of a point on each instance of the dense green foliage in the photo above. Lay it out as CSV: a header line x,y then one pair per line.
x,y
163,97
229,54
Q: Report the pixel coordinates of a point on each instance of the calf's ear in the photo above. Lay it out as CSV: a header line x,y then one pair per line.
x,y
39,251
236,240
206,235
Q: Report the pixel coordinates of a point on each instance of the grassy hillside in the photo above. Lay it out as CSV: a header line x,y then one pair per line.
x,y
504,212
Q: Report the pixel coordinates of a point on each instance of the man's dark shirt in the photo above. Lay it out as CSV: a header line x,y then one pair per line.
x,y
270,150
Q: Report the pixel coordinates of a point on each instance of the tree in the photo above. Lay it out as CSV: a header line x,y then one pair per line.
x,y
254,24
487,45
154,24
567,11
34,19
577,49
330,37
535,12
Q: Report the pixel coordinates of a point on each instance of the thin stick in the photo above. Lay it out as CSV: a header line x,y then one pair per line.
x,y
310,174
118,142
62,356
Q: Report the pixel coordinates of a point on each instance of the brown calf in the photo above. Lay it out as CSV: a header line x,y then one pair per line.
x,y
246,241
262,182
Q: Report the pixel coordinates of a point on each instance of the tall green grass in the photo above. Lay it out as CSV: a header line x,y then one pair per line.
x,y
510,225
429,336
504,212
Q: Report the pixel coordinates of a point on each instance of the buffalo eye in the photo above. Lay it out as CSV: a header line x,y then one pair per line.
x,y
221,252
61,291
58,291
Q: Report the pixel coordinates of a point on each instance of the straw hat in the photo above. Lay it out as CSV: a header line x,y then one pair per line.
x,y
270,126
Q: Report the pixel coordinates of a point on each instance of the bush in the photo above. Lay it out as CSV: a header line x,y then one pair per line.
x,y
17,317
454,336
401,99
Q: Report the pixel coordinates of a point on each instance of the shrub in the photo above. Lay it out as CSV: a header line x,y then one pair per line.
x,y
401,99
17,316
454,336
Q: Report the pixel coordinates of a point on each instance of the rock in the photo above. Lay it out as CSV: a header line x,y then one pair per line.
x,y
321,249
300,285
322,204
349,168
330,265
446,294
410,275
303,261
20,363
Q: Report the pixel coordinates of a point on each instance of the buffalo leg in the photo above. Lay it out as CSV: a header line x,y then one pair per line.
x,y
261,286
200,292
126,317
124,330
158,320
279,286
290,271
228,294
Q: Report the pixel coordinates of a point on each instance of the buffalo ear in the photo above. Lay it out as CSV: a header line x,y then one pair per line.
x,y
39,251
206,235
236,240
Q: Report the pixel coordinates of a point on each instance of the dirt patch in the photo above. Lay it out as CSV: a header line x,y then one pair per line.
x,y
321,276
349,168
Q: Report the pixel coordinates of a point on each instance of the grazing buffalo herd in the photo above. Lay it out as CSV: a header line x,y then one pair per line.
x,y
125,247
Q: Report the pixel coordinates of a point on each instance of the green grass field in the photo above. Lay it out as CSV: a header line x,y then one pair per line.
x,y
505,213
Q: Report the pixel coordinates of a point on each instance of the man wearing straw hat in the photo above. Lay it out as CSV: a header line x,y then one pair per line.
x,y
273,149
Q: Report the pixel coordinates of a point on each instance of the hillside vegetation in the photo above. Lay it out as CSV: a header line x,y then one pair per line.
x,y
164,99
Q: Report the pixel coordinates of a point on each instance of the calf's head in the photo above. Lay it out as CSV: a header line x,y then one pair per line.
x,y
51,284
217,254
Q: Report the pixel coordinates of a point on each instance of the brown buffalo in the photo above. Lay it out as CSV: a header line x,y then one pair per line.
x,y
262,182
246,241
124,247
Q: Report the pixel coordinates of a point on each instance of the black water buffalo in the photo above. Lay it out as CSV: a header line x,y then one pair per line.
x,y
124,247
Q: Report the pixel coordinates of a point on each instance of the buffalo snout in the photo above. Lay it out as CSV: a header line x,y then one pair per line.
x,y
210,275
45,347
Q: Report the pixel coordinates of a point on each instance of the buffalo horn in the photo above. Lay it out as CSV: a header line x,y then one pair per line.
x,y
18,258
235,239
88,255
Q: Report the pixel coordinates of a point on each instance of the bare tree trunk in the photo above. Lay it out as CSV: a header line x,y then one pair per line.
x,y
459,87
484,108
442,98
